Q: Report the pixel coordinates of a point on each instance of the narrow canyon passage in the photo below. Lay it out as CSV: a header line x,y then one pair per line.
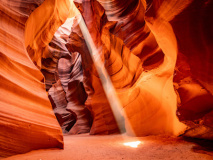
x,y
106,79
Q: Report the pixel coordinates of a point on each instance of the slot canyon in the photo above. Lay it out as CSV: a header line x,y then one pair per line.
x,y
106,79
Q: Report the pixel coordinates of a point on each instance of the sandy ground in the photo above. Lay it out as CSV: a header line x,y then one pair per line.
x,y
111,147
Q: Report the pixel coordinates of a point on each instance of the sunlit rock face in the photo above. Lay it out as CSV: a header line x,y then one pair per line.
x,y
27,121
158,54
151,31
103,119
147,96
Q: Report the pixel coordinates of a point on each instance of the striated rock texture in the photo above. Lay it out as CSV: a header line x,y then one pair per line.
x,y
103,119
192,26
63,69
148,97
158,54
194,69
27,121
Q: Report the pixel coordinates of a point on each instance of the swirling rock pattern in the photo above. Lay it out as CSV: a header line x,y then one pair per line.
x,y
58,100
132,28
194,67
26,118
139,91
63,78
103,119
159,47
157,54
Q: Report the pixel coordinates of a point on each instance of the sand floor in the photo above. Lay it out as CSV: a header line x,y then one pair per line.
x,y
111,147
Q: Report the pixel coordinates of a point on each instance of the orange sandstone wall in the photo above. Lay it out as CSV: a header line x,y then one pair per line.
x,y
27,121
147,95
176,69
157,54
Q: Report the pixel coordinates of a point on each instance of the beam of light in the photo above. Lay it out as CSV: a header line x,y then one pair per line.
x,y
108,87
104,77
132,144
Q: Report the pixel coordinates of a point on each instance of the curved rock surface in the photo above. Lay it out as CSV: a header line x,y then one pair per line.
x,y
146,30
148,98
158,54
63,78
103,119
194,67
27,121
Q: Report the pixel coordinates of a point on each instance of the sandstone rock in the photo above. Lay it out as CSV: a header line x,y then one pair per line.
x,y
194,67
157,54
63,73
148,98
27,121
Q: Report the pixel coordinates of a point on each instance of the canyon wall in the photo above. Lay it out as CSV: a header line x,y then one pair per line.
x,y
27,121
157,53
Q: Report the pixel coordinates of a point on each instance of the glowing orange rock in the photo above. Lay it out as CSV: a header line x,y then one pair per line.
x,y
140,53
148,98
27,121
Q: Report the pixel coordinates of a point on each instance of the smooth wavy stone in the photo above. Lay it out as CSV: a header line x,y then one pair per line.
x,y
66,69
193,73
132,28
59,103
53,52
149,99
27,121
103,119
71,76
39,37
125,71
70,69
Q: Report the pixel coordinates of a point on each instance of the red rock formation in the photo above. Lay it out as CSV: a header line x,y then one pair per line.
x,y
103,119
193,29
148,98
63,70
156,52
26,118
58,100
194,94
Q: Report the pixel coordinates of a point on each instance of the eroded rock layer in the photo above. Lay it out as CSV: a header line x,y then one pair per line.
x,y
145,29
158,54
148,97
193,29
63,78
27,121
